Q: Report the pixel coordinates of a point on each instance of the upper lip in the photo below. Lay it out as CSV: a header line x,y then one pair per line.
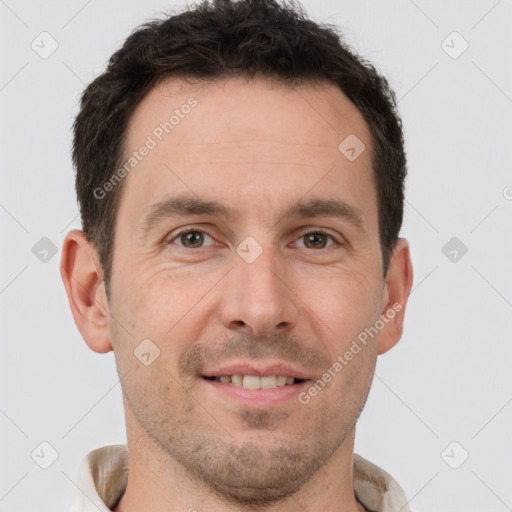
x,y
261,370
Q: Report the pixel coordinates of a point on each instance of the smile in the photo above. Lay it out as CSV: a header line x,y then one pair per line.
x,y
256,382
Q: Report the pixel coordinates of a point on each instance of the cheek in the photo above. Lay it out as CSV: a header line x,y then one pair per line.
x,y
161,304
346,303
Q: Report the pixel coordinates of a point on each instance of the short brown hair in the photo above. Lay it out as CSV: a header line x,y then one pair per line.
x,y
218,39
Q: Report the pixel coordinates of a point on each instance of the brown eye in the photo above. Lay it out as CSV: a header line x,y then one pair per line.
x,y
194,238
315,240
191,239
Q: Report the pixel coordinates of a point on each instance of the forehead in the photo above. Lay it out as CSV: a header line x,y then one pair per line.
x,y
227,116
226,137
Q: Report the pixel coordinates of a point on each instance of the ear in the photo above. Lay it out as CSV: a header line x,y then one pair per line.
x,y
83,280
395,295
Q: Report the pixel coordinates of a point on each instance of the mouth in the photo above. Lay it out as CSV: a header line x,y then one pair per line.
x,y
251,385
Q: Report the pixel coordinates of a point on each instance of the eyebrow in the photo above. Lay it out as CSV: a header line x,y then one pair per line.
x,y
181,206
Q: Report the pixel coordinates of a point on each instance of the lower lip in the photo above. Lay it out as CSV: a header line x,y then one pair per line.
x,y
257,397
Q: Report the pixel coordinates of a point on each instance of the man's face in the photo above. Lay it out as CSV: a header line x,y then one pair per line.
x,y
258,293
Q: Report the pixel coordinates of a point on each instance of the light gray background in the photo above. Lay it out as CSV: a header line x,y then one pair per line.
x,y
449,377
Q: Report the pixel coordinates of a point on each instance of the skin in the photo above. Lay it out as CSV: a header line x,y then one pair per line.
x,y
255,146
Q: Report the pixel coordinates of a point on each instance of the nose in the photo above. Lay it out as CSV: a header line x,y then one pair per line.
x,y
259,296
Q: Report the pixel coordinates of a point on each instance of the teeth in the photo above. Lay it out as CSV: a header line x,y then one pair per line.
x,y
281,380
255,382
236,380
251,382
268,382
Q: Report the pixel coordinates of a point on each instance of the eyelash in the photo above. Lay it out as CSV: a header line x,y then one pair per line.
x,y
308,231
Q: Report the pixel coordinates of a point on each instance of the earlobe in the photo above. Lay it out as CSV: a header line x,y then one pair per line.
x,y
82,277
395,295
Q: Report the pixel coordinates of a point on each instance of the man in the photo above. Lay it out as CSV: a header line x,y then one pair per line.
x,y
240,175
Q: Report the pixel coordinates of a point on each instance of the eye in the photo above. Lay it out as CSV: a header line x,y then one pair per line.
x,y
195,239
191,239
315,240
